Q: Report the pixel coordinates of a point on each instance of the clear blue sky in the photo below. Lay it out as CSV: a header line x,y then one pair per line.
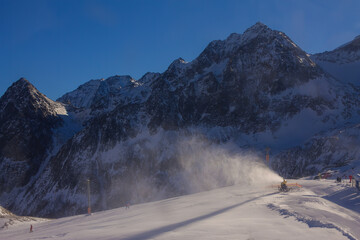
x,y
59,44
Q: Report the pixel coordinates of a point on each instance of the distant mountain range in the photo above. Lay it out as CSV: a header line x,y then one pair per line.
x,y
174,132
343,62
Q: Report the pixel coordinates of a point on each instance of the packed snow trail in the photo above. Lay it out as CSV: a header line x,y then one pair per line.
x,y
236,212
324,204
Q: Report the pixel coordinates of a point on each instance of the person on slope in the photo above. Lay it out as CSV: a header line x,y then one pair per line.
x,y
283,186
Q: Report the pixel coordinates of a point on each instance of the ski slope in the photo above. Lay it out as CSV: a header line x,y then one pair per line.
x,y
319,210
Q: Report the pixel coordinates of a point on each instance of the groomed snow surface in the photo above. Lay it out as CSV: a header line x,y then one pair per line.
x,y
319,210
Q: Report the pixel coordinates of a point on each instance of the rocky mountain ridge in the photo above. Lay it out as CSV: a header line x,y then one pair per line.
x,y
33,127
27,118
146,139
348,52
343,62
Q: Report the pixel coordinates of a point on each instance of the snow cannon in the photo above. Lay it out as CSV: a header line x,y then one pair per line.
x,y
286,187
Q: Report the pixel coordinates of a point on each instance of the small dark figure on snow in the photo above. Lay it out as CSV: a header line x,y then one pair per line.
x,y
31,228
283,186
338,179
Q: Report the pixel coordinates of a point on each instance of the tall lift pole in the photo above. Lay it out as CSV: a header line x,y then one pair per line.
x,y
88,188
267,149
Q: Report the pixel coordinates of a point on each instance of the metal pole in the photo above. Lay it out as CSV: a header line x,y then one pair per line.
x,y
267,155
88,187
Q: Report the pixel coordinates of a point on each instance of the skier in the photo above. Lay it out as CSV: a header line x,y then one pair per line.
x,y
31,228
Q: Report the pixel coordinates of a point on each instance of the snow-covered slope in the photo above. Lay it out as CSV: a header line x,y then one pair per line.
x,y
149,138
236,212
343,62
186,130
8,219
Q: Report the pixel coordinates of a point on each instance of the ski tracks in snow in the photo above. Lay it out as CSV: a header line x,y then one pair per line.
x,y
315,206
235,212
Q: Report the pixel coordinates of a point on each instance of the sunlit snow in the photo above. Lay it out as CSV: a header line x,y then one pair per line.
x,y
319,210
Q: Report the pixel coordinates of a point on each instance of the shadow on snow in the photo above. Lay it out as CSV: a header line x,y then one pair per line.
x,y
171,227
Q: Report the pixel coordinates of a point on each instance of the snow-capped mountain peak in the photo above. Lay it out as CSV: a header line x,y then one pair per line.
x,y
148,77
177,66
25,97
250,89
259,30
257,27
120,81
178,63
235,40
101,94
27,122
21,89
22,82
345,54
351,46
259,39
256,30
342,62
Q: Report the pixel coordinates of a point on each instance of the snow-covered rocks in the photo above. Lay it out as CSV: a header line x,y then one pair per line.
x,y
342,62
104,95
250,90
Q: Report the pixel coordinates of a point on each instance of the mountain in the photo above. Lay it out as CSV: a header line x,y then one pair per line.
x,y
255,66
151,138
318,210
197,126
27,118
335,150
99,96
31,128
346,53
8,219
343,62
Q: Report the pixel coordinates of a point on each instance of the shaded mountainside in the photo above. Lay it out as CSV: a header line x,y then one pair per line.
x,y
181,131
27,118
348,52
98,96
337,149
33,127
343,62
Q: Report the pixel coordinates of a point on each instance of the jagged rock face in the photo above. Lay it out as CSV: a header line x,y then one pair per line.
x,y
347,53
249,83
238,82
260,57
336,149
254,83
104,95
26,121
